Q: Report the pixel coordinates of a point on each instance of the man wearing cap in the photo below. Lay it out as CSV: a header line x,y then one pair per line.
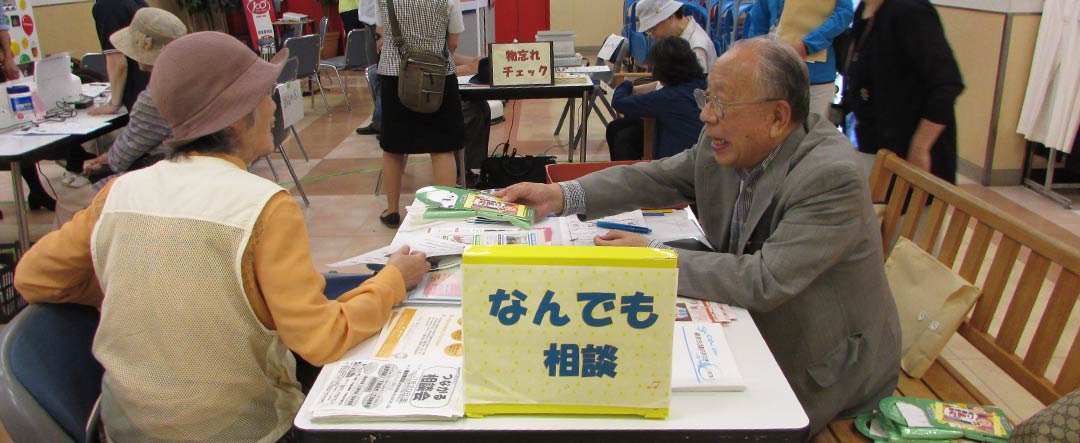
x,y
140,142
665,18
202,270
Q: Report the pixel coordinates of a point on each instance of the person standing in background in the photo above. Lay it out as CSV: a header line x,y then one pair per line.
x,y
368,15
350,17
902,82
126,81
809,26
433,26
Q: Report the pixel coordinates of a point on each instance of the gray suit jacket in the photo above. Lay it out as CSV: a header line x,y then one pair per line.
x,y
809,265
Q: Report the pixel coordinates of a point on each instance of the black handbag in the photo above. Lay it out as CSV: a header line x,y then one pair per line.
x,y
500,171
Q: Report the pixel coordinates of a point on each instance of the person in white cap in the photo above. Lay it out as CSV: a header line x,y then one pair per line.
x,y
665,18
202,270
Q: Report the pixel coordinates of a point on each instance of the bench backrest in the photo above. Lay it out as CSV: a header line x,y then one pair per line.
x,y
895,181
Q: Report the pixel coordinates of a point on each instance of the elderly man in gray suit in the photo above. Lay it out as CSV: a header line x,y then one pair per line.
x,y
783,198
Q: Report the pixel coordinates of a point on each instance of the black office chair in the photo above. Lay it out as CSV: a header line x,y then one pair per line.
x,y
95,61
49,379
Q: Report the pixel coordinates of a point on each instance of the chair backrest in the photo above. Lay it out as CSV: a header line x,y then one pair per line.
x,y
288,72
279,132
48,377
323,24
360,49
306,51
695,10
95,61
560,172
617,58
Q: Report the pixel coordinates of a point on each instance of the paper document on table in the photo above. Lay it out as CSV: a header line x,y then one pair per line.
x,y
94,89
463,79
701,359
703,311
587,69
440,286
68,127
433,247
381,390
492,237
581,233
421,334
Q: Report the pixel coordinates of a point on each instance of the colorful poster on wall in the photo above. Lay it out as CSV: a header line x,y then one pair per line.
x,y
24,36
260,18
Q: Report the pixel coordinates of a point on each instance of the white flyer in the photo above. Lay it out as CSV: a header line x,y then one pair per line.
x,y
382,390
422,334
581,233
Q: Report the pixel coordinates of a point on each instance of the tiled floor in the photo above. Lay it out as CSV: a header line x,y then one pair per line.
x,y
343,167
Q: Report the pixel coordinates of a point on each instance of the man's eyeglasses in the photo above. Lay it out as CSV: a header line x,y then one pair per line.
x,y
702,98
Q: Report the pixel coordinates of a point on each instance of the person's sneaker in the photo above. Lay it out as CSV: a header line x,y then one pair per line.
x,y
76,181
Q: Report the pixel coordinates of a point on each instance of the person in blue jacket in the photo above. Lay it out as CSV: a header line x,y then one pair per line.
x,y
765,18
669,100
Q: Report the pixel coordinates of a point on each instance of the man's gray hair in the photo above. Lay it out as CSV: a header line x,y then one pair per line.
x,y
781,73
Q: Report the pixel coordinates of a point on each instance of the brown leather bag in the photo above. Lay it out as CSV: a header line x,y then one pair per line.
x,y
421,75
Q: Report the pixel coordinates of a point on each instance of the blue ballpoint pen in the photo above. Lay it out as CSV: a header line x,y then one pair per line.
x,y
622,227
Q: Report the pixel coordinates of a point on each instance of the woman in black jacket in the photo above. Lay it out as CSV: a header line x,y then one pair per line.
x,y
902,82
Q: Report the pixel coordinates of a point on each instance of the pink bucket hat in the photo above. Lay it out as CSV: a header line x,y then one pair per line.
x,y
205,81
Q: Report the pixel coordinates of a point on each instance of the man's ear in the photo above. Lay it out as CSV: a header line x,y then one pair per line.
x,y
781,118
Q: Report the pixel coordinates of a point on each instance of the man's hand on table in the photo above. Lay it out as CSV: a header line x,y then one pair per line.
x,y
621,238
544,198
413,265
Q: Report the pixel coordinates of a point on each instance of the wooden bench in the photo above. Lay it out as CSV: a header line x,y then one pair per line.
x,y
940,229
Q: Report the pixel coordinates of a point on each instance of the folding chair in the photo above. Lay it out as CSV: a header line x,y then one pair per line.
x,y
359,54
616,60
306,51
49,378
280,134
323,24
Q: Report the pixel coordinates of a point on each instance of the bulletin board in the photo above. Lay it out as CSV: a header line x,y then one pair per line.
x,y
24,34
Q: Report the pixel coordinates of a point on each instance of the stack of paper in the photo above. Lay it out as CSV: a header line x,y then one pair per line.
x,y
383,390
704,311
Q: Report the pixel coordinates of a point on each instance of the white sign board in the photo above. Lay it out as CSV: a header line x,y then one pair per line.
x,y
292,109
610,45
521,64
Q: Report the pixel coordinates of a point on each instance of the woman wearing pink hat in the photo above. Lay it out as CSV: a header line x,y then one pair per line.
x,y
202,270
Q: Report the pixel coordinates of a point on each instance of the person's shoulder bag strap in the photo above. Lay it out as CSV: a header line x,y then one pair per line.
x,y
395,29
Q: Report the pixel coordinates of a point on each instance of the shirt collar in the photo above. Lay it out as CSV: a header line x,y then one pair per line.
x,y
749,175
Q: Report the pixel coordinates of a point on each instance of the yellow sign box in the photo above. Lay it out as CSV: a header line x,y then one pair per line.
x,y
568,330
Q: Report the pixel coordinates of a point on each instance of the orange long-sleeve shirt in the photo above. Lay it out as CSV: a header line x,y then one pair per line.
x,y
282,286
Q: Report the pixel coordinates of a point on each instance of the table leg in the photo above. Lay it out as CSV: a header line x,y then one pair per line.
x,y
586,104
20,208
570,145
